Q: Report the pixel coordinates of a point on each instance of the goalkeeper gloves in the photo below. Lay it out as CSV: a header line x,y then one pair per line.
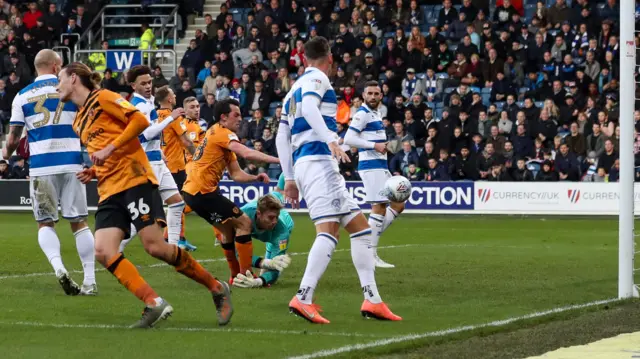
x,y
279,263
247,281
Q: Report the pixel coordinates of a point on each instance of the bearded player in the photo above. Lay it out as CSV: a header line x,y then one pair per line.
x,y
367,133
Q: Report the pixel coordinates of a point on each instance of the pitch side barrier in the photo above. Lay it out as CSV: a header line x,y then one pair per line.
x,y
535,198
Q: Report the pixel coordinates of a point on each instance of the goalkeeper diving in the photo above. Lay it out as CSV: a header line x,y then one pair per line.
x,y
271,224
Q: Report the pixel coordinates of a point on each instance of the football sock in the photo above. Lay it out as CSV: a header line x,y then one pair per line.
x,y
229,250
319,258
85,246
389,217
50,245
244,247
174,222
363,259
375,222
129,277
189,267
126,241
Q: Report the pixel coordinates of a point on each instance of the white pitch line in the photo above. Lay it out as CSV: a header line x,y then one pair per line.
x,y
178,329
445,332
209,260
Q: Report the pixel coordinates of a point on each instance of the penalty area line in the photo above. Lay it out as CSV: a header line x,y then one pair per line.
x,y
189,329
445,332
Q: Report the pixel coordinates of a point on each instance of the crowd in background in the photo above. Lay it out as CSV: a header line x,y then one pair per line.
x,y
516,90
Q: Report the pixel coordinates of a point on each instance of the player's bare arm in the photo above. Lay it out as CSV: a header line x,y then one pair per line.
x,y
187,144
13,141
238,175
251,155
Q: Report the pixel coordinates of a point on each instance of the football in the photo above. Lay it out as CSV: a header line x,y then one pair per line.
x,y
398,189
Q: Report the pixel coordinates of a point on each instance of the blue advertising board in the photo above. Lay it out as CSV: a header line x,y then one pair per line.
x,y
118,61
424,195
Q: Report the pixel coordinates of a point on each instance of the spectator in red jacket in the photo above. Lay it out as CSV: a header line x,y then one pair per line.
x,y
31,17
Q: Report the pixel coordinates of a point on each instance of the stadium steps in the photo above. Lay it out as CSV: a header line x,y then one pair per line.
x,y
210,7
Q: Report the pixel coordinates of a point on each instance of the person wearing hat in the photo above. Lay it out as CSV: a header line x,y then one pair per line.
x,y
411,85
370,68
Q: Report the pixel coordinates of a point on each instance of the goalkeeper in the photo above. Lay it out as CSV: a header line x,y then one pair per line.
x,y
271,224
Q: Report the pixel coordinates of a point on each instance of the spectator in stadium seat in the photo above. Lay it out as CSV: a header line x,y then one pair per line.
x,y
415,128
210,26
5,173
210,84
238,92
496,139
176,81
545,129
486,160
19,67
401,160
522,143
499,173
184,92
221,42
608,157
41,34
566,164
244,57
32,15
505,125
222,92
230,26
269,141
257,99
192,60
465,166
158,78
53,20
458,28
521,173
206,109
546,173
20,169
596,140
436,172
257,125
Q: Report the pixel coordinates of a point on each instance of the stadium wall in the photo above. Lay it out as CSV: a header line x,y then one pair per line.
x,y
535,198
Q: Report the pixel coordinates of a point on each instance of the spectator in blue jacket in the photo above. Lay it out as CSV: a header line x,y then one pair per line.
x,y
402,159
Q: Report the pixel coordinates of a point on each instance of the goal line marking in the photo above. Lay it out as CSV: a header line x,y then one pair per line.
x,y
445,332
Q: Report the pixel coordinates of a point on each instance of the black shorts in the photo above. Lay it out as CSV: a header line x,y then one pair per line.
x,y
179,177
140,205
213,207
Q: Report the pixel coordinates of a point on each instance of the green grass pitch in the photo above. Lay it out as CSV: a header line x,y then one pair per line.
x,y
450,271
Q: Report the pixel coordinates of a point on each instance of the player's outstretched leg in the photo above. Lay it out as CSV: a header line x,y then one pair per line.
x,y
319,258
363,259
107,243
155,245
85,244
50,245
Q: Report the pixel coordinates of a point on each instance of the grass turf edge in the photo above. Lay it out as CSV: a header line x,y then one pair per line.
x,y
518,339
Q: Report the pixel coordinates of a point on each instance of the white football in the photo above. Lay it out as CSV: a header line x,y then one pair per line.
x,y
397,189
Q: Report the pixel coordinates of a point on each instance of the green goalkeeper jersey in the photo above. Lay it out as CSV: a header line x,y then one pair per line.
x,y
277,239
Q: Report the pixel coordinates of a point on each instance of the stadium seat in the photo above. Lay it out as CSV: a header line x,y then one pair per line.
x,y
475,89
520,104
442,75
486,99
523,90
421,75
539,104
449,90
273,106
439,105
274,171
499,105
486,90
439,112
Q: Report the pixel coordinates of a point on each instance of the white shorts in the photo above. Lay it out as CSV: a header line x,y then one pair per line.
x,y
373,181
62,189
325,191
166,184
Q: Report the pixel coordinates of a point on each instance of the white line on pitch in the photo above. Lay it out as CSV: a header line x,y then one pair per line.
x,y
178,329
210,260
445,332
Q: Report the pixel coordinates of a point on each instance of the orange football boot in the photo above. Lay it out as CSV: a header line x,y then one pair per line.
x,y
378,311
310,312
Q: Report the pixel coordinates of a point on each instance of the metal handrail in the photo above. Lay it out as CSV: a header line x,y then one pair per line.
x,y
170,51
87,31
174,14
62,49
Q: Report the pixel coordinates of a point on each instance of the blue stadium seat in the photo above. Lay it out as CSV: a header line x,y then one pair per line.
x,y
499,105
486,90
439,112
442,75
486,98
520,104
436,10
449,90
475,89
273,106
421,75
274,171
523,90
439,105
539,104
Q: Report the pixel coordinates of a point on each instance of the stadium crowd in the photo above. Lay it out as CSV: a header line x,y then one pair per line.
x,y
513,91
